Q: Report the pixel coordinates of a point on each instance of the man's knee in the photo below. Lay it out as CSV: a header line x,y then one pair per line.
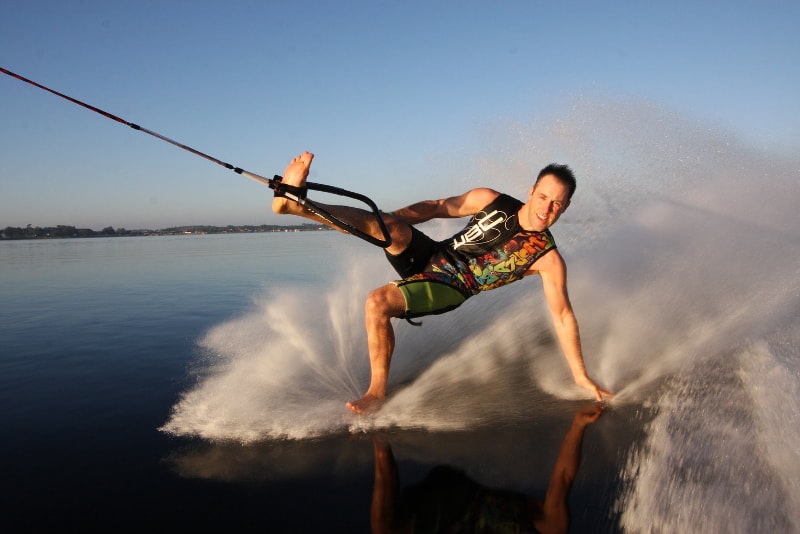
x,y
400,232
386,301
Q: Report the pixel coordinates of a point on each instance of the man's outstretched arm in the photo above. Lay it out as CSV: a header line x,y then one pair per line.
x,y
555,507
554,279
459,206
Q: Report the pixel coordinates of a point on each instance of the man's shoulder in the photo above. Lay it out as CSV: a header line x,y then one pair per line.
x,y
483,195
474,200
551,262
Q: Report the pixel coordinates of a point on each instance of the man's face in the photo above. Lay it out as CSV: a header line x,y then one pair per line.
x,y
547,201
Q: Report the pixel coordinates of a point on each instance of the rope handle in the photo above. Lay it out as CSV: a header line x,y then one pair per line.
x,y
298,194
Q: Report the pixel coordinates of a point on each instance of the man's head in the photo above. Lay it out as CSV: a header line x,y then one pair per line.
x,y
564,175
549,197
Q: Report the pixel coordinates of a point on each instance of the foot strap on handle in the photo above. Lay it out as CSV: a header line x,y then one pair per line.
x,y
287,191
298,194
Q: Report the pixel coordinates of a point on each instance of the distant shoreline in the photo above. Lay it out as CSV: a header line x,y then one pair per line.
x,y
71,232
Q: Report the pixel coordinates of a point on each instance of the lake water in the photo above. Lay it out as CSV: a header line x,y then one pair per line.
x,y
103,339
198,382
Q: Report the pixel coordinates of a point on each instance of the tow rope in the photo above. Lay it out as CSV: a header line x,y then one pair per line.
x,y
296,194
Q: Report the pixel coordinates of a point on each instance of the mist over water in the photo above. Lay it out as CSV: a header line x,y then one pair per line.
x,y
684,258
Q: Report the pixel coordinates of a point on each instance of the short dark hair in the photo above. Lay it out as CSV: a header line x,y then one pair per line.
x,y
564,175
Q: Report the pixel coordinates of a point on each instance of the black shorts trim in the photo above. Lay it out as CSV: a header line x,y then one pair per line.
x,y
416,257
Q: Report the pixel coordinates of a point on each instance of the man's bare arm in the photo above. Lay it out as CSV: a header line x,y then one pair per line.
x,y
556,512
553,271
459,206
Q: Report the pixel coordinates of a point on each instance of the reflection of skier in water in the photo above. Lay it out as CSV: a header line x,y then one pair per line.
x,y
449,501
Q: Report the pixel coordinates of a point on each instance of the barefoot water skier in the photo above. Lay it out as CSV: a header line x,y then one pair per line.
x,y
504,240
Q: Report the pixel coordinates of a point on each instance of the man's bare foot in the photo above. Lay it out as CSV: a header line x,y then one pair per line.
x,y
295,174
367,404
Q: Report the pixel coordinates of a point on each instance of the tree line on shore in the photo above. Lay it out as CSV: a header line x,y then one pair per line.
x,y
64,231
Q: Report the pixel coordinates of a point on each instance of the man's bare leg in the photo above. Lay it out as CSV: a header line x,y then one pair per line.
x,y
296,174
382,305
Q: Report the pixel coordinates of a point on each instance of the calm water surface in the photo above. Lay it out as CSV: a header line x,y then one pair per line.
x,y
99,340
197,383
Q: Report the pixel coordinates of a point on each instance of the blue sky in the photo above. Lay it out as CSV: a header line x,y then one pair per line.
x,y
378,90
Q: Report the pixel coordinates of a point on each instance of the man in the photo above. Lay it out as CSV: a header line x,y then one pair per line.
x,y
504,241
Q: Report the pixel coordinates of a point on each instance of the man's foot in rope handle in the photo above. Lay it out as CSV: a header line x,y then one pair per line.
x,y
296,194
292,185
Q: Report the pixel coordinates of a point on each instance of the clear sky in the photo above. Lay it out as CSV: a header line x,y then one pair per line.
x,y
378,90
